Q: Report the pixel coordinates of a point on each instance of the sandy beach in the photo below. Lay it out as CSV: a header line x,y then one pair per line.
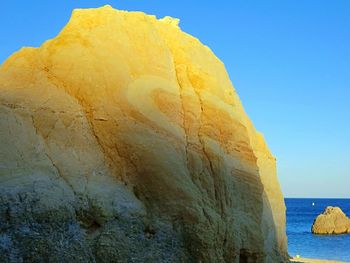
x,y
309,260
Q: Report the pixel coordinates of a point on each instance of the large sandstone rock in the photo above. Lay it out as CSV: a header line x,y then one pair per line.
x,y
123,140
331,221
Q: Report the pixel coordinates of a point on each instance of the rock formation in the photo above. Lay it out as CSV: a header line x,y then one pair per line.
x,y
331,221
123,140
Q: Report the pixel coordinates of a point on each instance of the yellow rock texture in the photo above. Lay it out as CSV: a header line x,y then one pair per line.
x,y
331,221
124,118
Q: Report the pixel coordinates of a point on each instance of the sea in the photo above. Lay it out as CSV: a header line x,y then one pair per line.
x,y
301,212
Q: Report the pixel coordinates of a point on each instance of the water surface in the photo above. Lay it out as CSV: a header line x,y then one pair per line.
x,y
300,216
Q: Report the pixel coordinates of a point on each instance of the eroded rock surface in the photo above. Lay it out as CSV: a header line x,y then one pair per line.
x,y
331,221
123,140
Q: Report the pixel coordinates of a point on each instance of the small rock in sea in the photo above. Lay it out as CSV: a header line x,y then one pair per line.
x,y
332,221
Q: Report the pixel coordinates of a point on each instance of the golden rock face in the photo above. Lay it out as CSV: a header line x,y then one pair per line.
x,y
126,116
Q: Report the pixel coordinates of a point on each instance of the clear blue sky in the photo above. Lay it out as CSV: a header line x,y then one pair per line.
x,y
289,61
